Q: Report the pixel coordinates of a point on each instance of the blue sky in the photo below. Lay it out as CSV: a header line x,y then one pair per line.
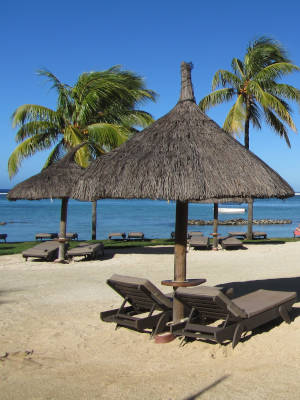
x,y
149,38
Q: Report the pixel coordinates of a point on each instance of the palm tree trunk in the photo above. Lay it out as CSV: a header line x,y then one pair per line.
x,y
250,202
94,219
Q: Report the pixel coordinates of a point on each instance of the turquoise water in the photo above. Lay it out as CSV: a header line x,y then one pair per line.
x,y
155,218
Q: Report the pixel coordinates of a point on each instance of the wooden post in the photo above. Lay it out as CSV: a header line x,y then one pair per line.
x,y
215,232
250,219
63,227
180,253
94,219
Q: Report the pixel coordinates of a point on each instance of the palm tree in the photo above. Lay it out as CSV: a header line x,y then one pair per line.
x,y
254,84
100,109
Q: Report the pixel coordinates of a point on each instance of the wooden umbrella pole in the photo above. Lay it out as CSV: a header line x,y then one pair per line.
x,y
63,225
215,232
180,253
250,219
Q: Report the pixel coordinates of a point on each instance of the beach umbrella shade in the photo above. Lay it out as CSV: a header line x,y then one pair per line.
x,y
183,156
54,182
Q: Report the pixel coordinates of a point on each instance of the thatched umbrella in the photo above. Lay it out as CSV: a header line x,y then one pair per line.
x,y
183,156
54,182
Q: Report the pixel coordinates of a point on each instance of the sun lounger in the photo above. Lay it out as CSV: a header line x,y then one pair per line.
x,y
148,307
199,242
88,250
3,236
231,243
193,234
71,235
47,250
135,235
259,235
216,317
46,236
117,235
242,235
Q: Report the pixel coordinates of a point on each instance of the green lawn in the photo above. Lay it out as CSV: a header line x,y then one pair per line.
x,y
18,247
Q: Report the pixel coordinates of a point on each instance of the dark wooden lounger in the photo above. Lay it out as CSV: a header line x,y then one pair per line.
x,y
135,235
71,235
46,236
117,235
242,235
148,307
199,242
88,250
216,317
3,236
261,235
47,250
231,243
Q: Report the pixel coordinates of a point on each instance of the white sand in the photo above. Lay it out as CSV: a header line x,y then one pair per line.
x,y
54,346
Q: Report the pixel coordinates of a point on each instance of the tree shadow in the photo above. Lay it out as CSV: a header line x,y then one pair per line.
x,y
281,284
202,391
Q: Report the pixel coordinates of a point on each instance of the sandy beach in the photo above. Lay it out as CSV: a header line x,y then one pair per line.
x,y
54,346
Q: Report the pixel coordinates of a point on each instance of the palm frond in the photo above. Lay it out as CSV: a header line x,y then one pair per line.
x,y
224,78
216,97
238,67
109,135
37,127
32,112
235,118
26,149
277,125
268,101
275,71
56,154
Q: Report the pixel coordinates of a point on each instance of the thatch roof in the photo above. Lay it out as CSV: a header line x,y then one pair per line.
x,y
55,181
182,156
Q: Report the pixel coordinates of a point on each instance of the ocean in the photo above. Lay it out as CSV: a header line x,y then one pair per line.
x,y
155,218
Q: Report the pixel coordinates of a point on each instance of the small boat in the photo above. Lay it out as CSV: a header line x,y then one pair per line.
x,y
231,210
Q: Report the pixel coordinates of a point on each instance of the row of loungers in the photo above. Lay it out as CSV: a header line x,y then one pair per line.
x,y
122,235
50,236
48,250
211,314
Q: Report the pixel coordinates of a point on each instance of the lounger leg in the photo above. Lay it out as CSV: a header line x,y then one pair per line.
x,y
237,334
284,314
164,318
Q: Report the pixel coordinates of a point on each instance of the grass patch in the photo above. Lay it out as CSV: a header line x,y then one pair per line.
x,y
18,247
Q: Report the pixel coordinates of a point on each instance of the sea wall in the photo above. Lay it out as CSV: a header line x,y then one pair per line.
x,y
240,221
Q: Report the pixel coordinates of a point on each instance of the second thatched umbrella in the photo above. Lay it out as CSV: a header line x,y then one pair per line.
x,y
53,182
183,156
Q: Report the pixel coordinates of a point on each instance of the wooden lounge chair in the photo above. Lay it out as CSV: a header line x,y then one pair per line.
x,y
117,235
3,237
88,250
231,243
135,235
191,234
241,235
71,235
259,235
216,317
148,307
46,236
199,242
47,250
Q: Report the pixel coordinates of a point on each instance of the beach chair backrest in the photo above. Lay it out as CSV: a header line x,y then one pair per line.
x,y
140,293
210,302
